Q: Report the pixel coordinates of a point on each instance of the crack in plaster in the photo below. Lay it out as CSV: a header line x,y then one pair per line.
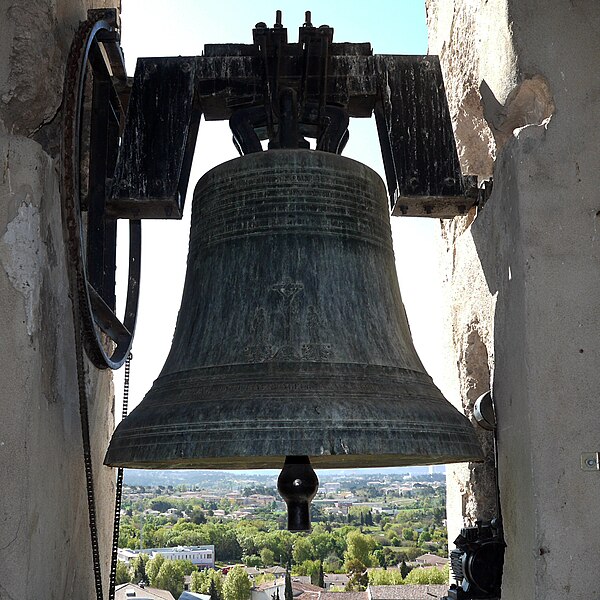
x,y
16,536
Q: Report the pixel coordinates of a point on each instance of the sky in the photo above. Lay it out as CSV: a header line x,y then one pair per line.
x,y
182,27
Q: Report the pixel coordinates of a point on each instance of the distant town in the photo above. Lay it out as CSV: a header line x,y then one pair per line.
x,y
203,534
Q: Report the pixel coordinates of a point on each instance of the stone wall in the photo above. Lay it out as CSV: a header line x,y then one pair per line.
x,y
45,550
522,277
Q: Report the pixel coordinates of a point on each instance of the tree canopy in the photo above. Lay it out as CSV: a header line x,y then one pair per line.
x,y
237,585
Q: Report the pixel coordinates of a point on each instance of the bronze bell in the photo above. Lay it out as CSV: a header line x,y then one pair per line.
x,y
292,338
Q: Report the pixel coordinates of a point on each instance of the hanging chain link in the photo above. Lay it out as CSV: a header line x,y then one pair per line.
x,y
76,64
119,492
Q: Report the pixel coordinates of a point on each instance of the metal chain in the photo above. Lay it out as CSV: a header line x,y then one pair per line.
x,y
70,208
87,461
119,492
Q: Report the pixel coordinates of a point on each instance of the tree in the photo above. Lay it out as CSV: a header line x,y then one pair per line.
x,y
302,550
359,579
153,567
128,536
424,537
404,569
267,557
385,577
198,516
321,578
332,564
122,573
251,560
137,568
161,504
308,567
237,585
408,534
288,593
170,577
213,591
359,547
431,575
202,581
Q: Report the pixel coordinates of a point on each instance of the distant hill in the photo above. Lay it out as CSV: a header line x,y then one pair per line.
x,y
209,478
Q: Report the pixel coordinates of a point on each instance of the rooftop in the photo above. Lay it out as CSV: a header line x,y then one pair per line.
x,y
406,592
126,591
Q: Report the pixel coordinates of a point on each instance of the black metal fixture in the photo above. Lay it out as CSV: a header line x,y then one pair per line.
x,y
298,485
477,562
292,344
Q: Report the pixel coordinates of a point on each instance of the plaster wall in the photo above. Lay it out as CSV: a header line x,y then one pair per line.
x,y
523,278
45,550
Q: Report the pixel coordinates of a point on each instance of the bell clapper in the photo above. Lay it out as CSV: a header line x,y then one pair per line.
x,y
298,484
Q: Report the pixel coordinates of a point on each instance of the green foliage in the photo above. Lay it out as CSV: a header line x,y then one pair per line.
x,y
251,560
122,573
309,568
424,537
161,504
197,516
332,564
388,557
359,579
265,537
385,577
359,548
431,575
267,557
128,536
404,569
360,516
410,553
303,550
170,577
288,592
213,591
263,578
237,585
321,577
202,581
153,567
137,568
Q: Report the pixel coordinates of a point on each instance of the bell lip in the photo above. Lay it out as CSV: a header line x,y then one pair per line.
x,y
329,461
349,418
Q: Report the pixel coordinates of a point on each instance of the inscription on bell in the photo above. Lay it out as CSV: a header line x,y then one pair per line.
x,y
291,331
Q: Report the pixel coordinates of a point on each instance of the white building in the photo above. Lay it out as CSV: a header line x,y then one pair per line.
x,y
269,591
202,557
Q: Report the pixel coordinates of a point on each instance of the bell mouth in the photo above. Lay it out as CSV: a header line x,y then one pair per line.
x,y
253,416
